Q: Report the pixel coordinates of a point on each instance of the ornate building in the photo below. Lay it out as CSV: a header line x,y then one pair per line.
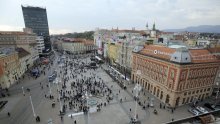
x,y
19,39
175,75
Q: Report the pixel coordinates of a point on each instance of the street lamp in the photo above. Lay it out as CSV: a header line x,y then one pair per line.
x,y
49,89
23,90
217,92
59,96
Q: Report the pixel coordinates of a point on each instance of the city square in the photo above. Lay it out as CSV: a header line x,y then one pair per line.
x,y
119,110
109,62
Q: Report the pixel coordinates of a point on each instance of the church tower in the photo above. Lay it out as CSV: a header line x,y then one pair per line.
x,y
147,26
154,28
153,31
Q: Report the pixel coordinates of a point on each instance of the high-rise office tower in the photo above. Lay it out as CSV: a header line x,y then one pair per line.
x,y
36,19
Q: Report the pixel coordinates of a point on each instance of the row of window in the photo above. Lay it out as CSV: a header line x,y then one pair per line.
x,y
197,91
195,83
7,38
148,65
16,38
202,72
10,58
194,99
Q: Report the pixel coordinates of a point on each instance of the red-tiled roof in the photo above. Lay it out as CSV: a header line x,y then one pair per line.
x,y
88,42
128,31
214,50
152,50
163,52
79,40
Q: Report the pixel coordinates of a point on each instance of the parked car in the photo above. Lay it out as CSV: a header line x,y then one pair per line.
x,y
193,111
208,105
201,109
152,102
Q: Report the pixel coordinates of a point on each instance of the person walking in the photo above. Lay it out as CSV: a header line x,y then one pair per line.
x,y
9,114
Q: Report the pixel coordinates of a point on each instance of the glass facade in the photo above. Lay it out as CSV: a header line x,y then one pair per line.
x,y
36,19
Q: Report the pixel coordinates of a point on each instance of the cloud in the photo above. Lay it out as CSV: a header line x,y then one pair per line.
x,y
60,31
10,28
80,15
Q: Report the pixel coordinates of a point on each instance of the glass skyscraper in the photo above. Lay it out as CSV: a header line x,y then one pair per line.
x,y
36,19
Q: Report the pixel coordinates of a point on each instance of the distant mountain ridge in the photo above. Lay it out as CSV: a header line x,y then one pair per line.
x,y
201,28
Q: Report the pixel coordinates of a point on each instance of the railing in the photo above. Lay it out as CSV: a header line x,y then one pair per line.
x,y
194,118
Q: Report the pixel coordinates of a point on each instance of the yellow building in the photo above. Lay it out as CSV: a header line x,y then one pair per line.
x,y
191,42
9,67
113,53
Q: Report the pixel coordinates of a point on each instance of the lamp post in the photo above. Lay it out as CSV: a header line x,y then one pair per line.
x,y
23,90
49,89
217,92
59,96
50,76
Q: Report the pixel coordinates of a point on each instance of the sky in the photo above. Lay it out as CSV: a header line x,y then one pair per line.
x,y
66,16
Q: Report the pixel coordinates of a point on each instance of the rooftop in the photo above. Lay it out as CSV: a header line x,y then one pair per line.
x,y
79,40
13,33
88,42
6,50
128,31
165,53
22,52
35,7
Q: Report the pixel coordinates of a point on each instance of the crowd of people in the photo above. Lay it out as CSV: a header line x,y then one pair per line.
x,y
79,79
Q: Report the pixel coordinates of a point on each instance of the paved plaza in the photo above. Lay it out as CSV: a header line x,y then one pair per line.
x,y
120,110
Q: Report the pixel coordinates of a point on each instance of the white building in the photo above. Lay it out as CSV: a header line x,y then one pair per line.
x,y
40,44
77,45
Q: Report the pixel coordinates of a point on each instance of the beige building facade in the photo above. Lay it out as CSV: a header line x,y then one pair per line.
x,y
25,60
77,45
23,40
176,76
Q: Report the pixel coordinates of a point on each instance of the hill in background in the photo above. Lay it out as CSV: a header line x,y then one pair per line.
x,y
86,35
201,28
